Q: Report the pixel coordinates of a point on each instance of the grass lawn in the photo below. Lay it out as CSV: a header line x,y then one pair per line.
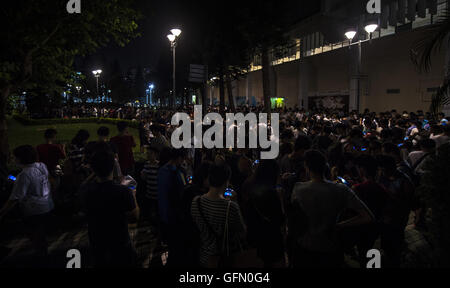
x,y
19,134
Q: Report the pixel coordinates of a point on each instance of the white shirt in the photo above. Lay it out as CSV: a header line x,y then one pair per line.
x,y
440,139
32,190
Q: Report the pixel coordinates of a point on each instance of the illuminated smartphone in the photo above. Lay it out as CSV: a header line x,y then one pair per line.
x,y
132,187
343,180
190,179
400,145
228,193
363,149
256,162
11,177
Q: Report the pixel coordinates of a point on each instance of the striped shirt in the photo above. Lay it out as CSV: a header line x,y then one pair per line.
x,y
150,176
215,212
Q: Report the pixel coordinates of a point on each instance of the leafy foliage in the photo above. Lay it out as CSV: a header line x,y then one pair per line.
x,y
434,191
435,38
41,39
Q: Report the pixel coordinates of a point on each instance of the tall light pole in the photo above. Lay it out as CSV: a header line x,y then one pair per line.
x,y
78,89
173,41
97,76
150,100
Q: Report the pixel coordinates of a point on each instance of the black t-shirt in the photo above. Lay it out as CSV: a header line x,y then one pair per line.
x,y
106,205
92,146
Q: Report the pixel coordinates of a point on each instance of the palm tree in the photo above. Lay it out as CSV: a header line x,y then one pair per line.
x,y
436,37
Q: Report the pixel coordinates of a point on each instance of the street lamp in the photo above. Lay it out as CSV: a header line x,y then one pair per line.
x,y
78,89
350,34
97,75
173,41
149,97
370,28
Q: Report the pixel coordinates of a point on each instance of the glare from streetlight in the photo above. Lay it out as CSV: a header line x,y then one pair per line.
x,y
176,32
97,72
171,37
350,34
371,28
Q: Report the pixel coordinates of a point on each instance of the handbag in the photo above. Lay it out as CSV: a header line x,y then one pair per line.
x,y
236,259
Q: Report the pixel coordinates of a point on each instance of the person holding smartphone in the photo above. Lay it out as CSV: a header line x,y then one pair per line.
x,y
109,208
32,193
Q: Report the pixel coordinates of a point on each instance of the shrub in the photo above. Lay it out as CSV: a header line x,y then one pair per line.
x,y
31,122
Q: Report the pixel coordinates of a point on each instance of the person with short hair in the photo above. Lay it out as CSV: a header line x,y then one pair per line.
x,y
399,204
321,202
150,177
171,183
125,144
50,153
109,208
210,212
33,195
417,159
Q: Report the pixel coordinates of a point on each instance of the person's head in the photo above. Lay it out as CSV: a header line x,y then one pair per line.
x,y
152,154
50,135
25,155
387,164
267,172
219,176
427,145
81,138
367,166
201,175
177,156
315,163
302,143
102,162
446,130
155,129
103,133
122,127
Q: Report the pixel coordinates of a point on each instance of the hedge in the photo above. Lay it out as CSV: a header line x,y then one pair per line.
x,y
31,122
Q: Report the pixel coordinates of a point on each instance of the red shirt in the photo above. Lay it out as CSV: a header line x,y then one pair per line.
x,y
125,146
50,154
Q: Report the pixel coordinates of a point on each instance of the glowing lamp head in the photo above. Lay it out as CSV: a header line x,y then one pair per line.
x,y
171,37
371,28
350,34
175,32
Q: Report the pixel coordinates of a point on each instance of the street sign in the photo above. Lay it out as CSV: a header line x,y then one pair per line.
x,y
197,73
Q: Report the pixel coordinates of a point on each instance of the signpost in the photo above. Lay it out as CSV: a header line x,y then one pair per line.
x,y
197,73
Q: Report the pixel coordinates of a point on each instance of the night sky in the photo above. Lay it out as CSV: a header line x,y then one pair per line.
x,y
153,48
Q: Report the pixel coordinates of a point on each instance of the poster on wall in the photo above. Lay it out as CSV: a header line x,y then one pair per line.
x,y
335,102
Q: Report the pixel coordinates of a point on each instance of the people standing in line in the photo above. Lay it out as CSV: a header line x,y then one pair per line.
x,y
125,144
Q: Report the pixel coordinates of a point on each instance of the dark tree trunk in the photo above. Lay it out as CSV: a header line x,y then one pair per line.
x,y
4,145
222,92
230,93
266,79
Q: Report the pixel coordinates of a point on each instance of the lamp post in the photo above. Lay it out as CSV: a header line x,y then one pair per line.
x,y
97,76
78,89
150,99
173,41
350,34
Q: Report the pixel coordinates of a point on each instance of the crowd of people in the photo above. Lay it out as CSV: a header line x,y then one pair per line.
x,y
341,182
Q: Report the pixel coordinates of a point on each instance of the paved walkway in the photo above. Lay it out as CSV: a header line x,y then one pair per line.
x,y
18,247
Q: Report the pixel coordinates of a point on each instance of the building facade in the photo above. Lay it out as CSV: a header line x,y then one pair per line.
x,y
322,68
